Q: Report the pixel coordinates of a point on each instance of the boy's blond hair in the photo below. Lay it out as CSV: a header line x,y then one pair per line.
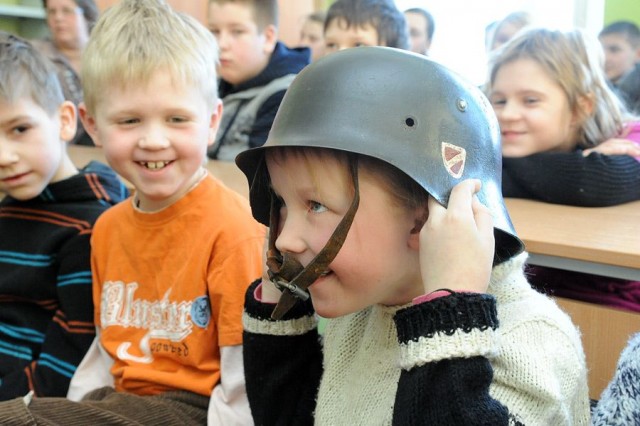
x,y
136,38
26,73
265,12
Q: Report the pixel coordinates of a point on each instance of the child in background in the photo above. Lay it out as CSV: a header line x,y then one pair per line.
x,y
566,139
312,34
396,247
508,27
170,264
555,109
46,219
621,43
421,28
255,70
69,23
355,23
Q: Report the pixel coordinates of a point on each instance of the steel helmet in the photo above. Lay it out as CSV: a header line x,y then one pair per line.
x,y
399,107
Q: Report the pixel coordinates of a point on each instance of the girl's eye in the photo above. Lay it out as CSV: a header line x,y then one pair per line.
x,y
177,119
330,46
20,129
126,121
530,100
316,207
498,102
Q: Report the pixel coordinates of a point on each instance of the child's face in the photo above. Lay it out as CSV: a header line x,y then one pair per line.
x,y
377,263
532,109
244,50
155,135
312,37
32,147
505,33
66,22
338,37
418,26
620,56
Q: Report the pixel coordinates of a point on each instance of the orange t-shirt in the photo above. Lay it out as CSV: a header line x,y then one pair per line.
x,y
169,287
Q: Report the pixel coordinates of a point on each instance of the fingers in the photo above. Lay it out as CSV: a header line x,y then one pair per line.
x,y
462,195
615,147
457,243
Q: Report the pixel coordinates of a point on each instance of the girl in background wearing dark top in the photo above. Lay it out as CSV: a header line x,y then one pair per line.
x,y
566,139
70,23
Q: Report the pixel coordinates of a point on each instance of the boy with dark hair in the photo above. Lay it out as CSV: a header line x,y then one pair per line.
x,y
421,28
255,70
354,23
171,264
621,43
46,220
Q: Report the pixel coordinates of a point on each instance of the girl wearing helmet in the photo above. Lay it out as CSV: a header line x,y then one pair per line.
x,y
380,182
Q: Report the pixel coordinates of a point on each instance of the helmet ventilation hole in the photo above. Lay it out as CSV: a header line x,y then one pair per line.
x,y
410,122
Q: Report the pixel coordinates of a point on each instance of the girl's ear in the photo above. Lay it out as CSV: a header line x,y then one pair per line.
x,y
421,214
584,108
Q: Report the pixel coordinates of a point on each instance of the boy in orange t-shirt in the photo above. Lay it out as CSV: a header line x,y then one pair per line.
x,y
172,263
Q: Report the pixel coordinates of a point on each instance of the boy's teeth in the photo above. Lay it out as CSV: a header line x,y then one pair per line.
x,y
154,165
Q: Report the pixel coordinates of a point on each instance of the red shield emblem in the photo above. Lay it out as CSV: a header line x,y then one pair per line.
x,y
453,158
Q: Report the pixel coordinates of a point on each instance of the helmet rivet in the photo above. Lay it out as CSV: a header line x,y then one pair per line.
x,y
461,104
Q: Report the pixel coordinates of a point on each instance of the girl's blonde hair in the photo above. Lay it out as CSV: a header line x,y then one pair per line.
x,y
136,38
576,64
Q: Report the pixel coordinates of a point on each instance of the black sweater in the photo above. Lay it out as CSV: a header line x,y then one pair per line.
x,y
46,305
596,180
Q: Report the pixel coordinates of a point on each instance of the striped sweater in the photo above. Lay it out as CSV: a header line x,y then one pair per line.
x,y
46,308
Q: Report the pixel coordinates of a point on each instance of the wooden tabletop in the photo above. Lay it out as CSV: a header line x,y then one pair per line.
x,y
606,235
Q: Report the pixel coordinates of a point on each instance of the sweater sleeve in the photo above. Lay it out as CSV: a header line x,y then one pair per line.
x,y
445,348
282,362
596,180
69,334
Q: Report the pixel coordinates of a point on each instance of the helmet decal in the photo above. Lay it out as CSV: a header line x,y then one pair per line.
x,y
453,158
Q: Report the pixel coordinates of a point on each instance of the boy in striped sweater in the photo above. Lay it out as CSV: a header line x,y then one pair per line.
x,y
47,213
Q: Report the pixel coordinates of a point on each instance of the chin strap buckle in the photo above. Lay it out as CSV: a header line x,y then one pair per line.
x,y
284,285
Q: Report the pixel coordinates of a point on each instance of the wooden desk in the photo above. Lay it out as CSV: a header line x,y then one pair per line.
x,y
605,332
597,240
227,172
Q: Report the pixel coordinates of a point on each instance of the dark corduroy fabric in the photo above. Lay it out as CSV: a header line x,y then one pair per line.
x,y
106,407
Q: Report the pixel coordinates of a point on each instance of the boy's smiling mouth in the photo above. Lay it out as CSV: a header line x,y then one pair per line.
x,y
154,165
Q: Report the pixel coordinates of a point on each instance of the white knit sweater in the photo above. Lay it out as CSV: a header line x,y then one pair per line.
x,y
536,354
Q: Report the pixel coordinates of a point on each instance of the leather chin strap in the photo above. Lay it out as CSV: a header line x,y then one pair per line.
x,y
286,273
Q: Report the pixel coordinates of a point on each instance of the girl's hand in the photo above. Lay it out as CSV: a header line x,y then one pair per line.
x,y
457,242
616,146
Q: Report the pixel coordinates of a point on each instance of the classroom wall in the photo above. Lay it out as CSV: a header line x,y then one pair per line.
x,y
628,10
